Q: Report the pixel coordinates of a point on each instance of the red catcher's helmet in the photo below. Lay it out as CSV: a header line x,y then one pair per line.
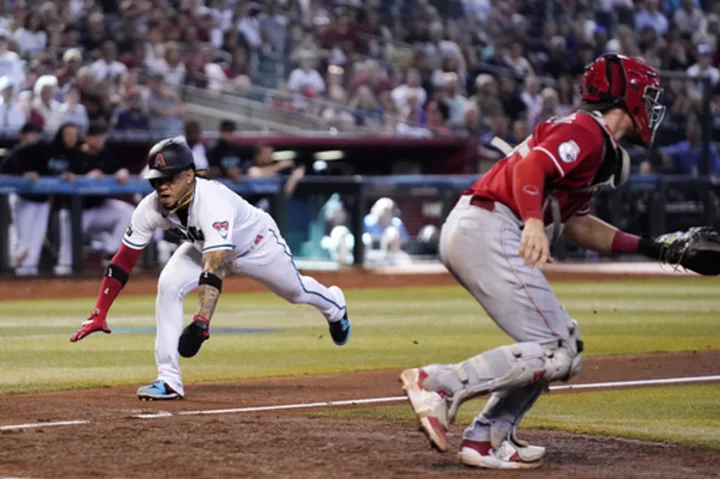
x,y
628,83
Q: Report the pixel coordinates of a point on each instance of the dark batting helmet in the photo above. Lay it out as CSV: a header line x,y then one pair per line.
x,y
168,158
631,84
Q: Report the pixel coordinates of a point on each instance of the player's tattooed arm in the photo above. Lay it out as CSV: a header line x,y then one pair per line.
x,y
213,262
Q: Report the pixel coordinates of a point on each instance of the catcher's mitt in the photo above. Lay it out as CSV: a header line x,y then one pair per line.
x,y
697,249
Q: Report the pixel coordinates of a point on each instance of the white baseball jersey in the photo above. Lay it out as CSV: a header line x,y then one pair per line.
x,y
218,219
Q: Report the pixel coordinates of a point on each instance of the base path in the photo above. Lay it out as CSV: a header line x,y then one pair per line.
x,y
115,443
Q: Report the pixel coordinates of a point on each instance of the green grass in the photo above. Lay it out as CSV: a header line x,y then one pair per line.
x,y
392,328
686,415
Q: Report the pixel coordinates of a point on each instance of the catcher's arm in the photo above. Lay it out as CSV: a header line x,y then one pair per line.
x,y
116,275
697,249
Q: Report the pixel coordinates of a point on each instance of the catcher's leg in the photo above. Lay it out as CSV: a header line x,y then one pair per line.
x,y
178,278
479,247
271,263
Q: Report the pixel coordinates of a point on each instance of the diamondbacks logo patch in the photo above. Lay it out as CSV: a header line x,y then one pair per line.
x,y
159,160
569,151
222,228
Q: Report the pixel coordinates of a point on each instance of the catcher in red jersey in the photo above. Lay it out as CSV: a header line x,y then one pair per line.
x,y
498,236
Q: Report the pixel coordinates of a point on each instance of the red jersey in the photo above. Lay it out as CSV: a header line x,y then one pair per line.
x,y
569,151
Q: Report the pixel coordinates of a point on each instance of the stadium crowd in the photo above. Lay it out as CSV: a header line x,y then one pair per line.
x,y
421,68
409,67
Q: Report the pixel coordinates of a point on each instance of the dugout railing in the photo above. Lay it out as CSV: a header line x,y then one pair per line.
x,y
357,193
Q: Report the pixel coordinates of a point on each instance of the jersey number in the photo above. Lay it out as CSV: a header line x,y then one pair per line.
x,y
193,234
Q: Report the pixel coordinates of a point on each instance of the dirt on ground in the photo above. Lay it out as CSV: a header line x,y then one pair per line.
x,y
297,443
114,442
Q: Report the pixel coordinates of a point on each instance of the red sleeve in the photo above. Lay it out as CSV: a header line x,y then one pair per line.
x,y
569,145
529,176
110,287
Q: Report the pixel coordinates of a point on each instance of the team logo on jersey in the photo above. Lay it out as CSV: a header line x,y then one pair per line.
x,y
222,227
569,151
129,231
531,190
159,160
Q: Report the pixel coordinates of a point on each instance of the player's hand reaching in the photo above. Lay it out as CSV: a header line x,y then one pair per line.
x,y
96,322
534,245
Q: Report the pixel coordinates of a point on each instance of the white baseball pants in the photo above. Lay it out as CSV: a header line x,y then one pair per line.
x,y
269,262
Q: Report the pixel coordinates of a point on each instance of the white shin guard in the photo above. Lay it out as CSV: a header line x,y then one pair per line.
x,y
522,365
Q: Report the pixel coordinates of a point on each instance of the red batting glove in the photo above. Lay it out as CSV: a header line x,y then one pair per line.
x,y
96,322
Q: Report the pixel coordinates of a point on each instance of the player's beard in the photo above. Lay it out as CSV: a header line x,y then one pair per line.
x,y
183,202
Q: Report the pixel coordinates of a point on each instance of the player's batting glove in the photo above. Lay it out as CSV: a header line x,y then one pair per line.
x,y
96,322
697,249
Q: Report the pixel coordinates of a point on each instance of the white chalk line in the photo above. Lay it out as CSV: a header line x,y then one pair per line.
x,y
42,424
355,402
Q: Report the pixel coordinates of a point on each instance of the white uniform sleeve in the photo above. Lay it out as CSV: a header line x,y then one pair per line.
x,y
217,228
145,220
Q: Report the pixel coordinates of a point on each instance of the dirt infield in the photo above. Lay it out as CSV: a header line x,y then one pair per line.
x,y
297,443
116,443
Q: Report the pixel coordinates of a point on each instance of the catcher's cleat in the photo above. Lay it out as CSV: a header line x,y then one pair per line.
x,y
157,390
482,454
340,330
193,336
430,408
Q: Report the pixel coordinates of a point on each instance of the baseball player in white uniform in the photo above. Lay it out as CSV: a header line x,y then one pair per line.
x,y
222,234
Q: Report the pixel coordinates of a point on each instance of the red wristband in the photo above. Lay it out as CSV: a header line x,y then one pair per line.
x,y
624,243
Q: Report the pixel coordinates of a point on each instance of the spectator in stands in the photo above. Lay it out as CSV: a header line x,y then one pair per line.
x,y
154,46
72,60
437,116
690,19
704,65
520,131
31,37
172,66
549,107
94,35
365,109
486,98
238,70
515,60
370,73
72,111
413,83
164,107
24,102
134,117
50,109
248,23
454,100
107,68
683,157
649,15
499,128
306,79
12,117
513,105
224,157
193,137
10,63
531,93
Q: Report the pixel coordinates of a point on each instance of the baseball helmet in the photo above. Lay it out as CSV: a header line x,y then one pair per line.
x,y
628,83
169,157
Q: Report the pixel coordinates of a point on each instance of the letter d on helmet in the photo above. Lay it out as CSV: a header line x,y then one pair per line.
x,y
631,84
